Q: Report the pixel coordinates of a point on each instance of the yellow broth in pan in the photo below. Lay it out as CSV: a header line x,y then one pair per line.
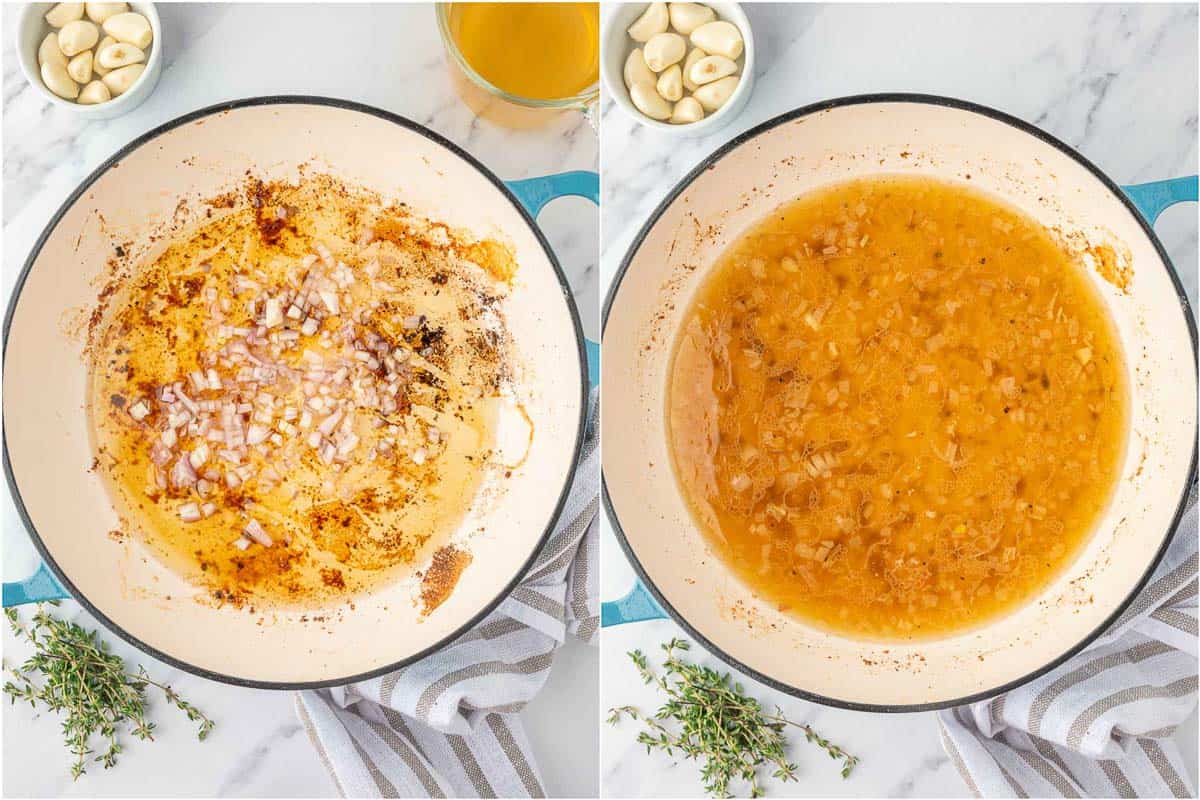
x,y
897,408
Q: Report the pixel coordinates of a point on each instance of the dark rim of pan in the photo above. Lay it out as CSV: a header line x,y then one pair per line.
x,y
347,105
947,102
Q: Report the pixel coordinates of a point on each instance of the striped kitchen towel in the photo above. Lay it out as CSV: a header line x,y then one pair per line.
x,y
1101,725
448,726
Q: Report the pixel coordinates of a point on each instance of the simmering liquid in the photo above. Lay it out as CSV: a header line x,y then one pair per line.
x,y
540,51
897,408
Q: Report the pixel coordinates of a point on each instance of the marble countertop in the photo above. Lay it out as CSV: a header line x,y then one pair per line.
x,y
1116,82
388,56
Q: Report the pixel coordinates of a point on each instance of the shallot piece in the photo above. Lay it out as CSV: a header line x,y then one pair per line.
x,y
256,434
182,474
160,454
256,532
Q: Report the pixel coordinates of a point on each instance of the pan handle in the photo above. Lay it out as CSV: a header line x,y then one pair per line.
x,y
535,194
1156,196
637,606
37,588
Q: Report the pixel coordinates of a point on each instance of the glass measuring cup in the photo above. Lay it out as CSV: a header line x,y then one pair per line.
x,y
495,104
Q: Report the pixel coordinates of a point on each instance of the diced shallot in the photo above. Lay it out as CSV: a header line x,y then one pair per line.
x,y
160,454
330,299
188,403
256,434
272,313
347,444
199,455
325,255
256,532
328,425
182,474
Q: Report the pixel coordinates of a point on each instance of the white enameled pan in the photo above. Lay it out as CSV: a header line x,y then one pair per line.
x,y
47,447
774,163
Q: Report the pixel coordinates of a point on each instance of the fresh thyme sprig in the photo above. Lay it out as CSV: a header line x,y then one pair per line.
x,y
707,718
76,675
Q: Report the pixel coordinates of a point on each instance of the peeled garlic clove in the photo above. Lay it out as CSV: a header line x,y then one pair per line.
x,y
711,68
694,55
687,110
77,36
670,83
719,38
653,20
645,98
119,80
713,95
99,69
57,80
63,13
636,70
663,50
686,17
49,52
131,28
119,54
80,67
95,92
98,12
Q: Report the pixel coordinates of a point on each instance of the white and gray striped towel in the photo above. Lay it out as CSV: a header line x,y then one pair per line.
x,y
1102,724
448,726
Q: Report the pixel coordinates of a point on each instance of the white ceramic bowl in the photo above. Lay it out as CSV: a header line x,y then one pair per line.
x,y
615,45
32,29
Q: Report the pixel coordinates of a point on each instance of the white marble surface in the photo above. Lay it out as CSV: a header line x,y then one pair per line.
x,y
1117,82
386,55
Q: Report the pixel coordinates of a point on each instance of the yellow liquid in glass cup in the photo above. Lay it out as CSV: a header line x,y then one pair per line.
x,y
517,63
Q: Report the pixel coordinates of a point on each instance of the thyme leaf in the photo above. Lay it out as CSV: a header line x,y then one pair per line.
x,y
709,719
72,672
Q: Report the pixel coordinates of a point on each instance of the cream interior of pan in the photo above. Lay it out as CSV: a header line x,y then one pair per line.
x,y
903,139
161,185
